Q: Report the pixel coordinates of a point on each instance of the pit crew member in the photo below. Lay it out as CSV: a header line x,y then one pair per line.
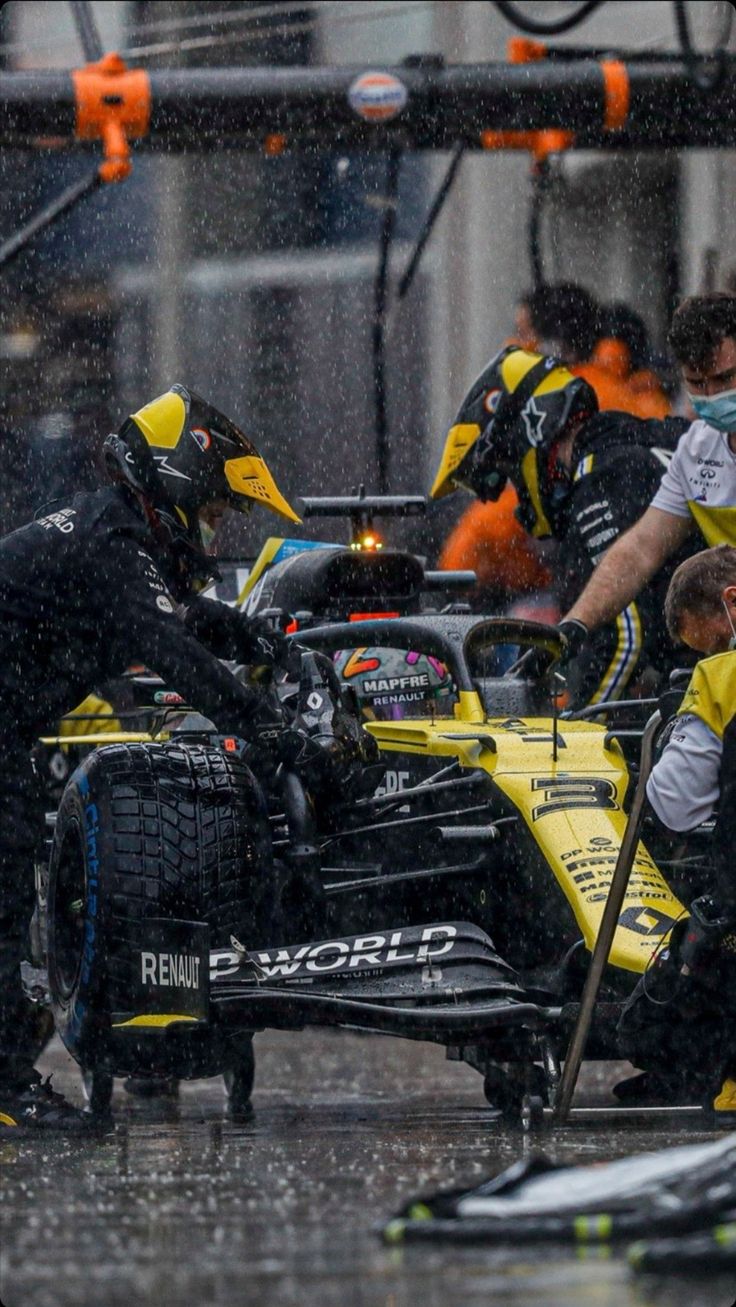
x,y
696,770
582,477
695,982
97,582
698,490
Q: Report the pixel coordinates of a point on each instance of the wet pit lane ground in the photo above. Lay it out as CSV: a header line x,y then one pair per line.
x,y
183,1207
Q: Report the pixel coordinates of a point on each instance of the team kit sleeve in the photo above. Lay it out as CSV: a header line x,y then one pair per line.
x,y
685,784
672,493
608,498
611,497
604,668
225,631
147,628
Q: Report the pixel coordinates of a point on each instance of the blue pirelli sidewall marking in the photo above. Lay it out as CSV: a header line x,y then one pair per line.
x,y
91,831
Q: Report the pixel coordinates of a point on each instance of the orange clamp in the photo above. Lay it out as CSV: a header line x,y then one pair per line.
x,y
274,144
543,141
114,106
616,92
522,50
540,144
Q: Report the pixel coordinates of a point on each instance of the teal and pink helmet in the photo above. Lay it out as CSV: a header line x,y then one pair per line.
x,y
395,683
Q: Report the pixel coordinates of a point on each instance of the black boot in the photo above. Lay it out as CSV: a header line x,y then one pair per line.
x,y
33,1105
652,1089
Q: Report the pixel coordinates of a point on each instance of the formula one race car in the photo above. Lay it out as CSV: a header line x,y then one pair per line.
x,y
455,901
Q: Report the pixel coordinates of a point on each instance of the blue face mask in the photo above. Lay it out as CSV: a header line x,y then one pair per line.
x,y
718,411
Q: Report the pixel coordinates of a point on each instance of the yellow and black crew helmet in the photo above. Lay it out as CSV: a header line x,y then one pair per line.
x,y
183,455
508,428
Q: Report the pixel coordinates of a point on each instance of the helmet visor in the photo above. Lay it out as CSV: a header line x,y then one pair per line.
x,y
467,464
249,476
459,442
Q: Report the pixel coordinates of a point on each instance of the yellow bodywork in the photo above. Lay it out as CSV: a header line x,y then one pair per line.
x,y
572,807
92,715
109,737
153,1021
263,561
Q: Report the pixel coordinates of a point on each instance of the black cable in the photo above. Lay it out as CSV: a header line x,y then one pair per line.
x,y
540,185
380,288
47,216
430,220
534,27
89,36
696,63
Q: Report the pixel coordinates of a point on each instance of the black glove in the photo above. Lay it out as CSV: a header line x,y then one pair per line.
x,y
262,644
535,663
709,942
228,633
334,767
326,744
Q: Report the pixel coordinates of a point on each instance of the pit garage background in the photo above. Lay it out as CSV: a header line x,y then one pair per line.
x,y
250,276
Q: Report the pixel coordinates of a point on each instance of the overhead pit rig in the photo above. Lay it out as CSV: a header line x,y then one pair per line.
x,y
623,102
545,100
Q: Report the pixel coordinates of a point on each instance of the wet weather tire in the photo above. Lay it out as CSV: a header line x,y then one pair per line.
x,y
507,1089
239,1079
502,1092
148,831
98,1089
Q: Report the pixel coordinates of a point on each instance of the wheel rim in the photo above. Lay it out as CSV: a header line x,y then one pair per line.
x,y
71,894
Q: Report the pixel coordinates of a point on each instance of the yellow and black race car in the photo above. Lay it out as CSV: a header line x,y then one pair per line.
x,y
448,889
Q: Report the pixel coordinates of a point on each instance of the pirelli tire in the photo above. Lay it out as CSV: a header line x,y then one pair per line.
x,y
148,831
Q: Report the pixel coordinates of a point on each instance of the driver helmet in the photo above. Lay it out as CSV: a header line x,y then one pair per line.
x,y
509,427
184,456
395,683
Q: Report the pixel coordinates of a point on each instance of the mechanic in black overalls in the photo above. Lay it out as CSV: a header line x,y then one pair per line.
x,y
582,478
97,583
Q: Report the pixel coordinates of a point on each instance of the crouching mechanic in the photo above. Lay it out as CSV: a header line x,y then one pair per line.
x,y
103,580
583,478
694,983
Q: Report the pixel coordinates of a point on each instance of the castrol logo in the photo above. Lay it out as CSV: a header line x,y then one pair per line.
x,y
377,97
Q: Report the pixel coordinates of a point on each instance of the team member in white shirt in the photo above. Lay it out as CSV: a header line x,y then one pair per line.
x,y
700,610
699,487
